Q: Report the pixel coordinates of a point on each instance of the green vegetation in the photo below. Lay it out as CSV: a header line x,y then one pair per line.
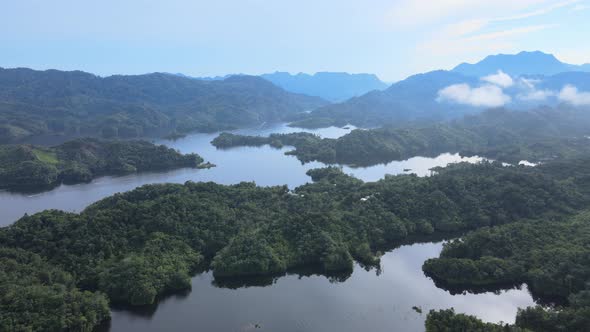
x,y
448,321
47,157
36,296
36,104
537,319
138,245
309,147
508,136
26,167
551,255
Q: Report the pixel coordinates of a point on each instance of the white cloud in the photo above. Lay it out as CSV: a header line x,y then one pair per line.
x,y
570,94
465,30
486,96
580,7
508,32
541,11
500,79
465,27
528,83
536,95
415,13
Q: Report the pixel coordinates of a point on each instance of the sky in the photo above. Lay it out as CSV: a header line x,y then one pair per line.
x,y
390,38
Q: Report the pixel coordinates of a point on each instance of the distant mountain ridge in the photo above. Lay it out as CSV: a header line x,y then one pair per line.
x,y
523,63
409,100
332,86
75,103
533,79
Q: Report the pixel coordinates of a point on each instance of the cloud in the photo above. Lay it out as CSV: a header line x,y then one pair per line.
x,y
541,11
508,32
530,92
528,82
536,95
580,7
473,25
465,29
500,79
415,13
485,96
570,94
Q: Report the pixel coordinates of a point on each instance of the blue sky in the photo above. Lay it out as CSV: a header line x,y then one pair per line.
x,y
392,39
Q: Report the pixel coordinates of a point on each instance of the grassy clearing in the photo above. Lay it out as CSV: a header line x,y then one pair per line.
x,y
46,156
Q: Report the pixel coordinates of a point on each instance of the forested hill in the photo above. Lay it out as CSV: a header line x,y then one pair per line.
x,y
509,136
35,168
551,256
76,103
134,246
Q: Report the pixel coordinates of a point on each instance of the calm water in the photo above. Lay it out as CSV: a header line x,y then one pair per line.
x,y
264,165
366,301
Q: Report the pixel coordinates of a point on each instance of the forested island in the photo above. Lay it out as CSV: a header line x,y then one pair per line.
x,y
34,168
503,135
135,246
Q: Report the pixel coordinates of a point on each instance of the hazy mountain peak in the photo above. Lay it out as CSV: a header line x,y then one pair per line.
x,y
523,63
333,86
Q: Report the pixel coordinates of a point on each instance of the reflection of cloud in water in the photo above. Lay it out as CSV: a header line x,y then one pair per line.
x,y
418,165
364,302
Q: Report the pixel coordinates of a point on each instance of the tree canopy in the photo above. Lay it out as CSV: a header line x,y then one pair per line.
x,y
30,167
138,245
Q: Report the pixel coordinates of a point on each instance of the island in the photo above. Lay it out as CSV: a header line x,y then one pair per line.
x,y
36,168
503,135
65,268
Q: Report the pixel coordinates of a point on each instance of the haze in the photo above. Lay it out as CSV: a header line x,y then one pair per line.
x,y
392,39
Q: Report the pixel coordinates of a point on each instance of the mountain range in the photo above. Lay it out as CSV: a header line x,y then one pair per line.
x,y
74,103
523,80
36,104
523,63
331,86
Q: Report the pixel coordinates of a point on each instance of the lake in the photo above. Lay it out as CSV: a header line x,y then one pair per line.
x,y
366,300
264,165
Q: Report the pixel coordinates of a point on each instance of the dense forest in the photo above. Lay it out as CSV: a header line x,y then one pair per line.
x,y
508,136
33,168
449,321
35,104
551,255
133,247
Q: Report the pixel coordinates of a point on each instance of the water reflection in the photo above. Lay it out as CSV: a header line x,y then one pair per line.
x,y
366,301
264,165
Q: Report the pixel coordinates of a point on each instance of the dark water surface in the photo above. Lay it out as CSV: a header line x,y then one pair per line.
x,y
365,301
